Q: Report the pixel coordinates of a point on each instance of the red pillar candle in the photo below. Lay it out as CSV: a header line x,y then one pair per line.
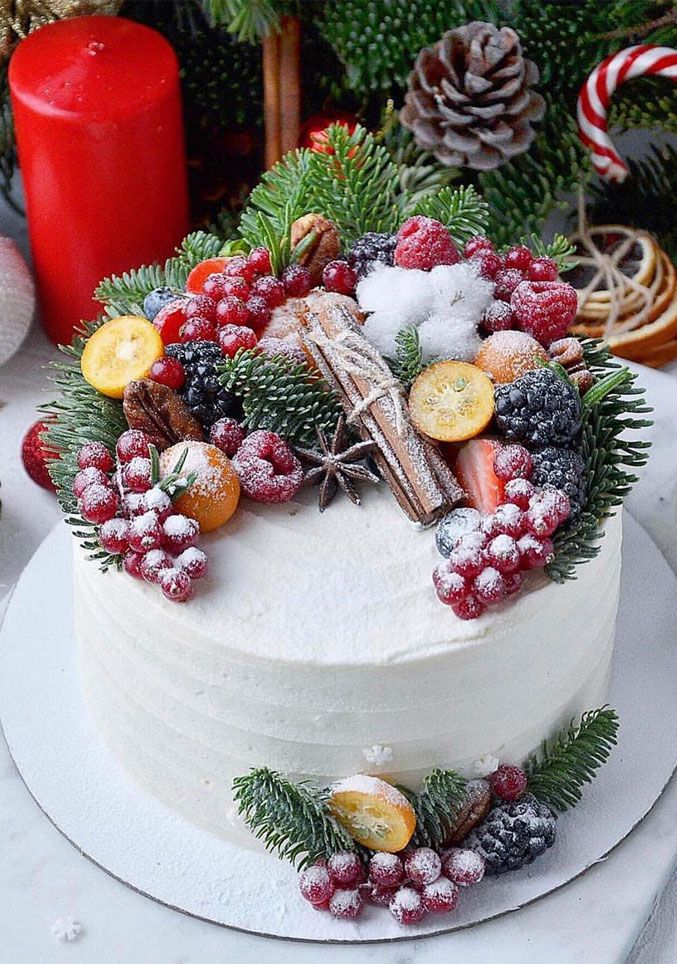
x,y
97,110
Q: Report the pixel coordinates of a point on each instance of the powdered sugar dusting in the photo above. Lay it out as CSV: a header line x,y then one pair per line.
x,y
371,786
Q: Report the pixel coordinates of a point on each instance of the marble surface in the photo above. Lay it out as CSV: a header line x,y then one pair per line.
x,y
598,919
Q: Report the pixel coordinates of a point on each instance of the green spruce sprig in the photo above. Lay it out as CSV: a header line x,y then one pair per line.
x,y
560,249
461,209
290,818
408,363
436,806
558,773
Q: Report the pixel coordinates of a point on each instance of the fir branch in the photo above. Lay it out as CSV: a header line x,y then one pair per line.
x,y
462,209
408,364
557,775
289,818
280,396
436,806
248,20
560,249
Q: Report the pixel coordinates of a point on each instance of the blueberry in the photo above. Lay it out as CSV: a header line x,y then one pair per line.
x,y
157,299
453,526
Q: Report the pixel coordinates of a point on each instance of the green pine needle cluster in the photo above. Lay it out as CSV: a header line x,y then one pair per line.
x,y
290,818
248,20
408,364
436,806
558,773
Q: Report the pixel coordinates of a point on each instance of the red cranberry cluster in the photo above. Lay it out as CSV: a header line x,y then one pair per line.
x,y
411,885
135,515
487,554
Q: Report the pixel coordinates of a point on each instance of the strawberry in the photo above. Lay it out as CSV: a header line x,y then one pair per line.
x,y
475,471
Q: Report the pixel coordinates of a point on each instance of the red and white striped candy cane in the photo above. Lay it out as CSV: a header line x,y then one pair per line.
x,y
593,99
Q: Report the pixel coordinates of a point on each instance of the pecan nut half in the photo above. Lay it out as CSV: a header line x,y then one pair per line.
x,y
321,243
160,412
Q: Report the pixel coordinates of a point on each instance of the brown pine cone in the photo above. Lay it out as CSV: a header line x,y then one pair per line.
x,y
470,100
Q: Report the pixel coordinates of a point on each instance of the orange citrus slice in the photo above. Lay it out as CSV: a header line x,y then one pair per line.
x,y
451,401
201,272
373,812
119,352
213,497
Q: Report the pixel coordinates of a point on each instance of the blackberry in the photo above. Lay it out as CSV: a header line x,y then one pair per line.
x,y
513,834
202,392
540,408
370,249
565,469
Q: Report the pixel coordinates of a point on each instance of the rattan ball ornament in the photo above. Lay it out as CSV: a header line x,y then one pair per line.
x,y
17,298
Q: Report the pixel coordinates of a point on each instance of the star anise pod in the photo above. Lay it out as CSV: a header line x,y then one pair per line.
x,y
336,464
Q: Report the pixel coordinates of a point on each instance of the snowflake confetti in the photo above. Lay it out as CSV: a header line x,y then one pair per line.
x,y
66,929
378,755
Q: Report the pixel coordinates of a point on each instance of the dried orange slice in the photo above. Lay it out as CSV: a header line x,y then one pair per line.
x,y
373,812
451,401
119,352
213,497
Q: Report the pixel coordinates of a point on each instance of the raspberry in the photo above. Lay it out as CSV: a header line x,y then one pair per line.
x,y
464,867
508,782
518,257
259,312
145,532
544,309
193,561
201,306
239,267
168,371
488,263
519,492
542,269
87,477
450,586
197,329
423,865
297,281
95,455
506,281
232,311
153,563
346,904
316,885
131,563
234,337
346,868
259,259
407,906
467,556
215,286
488,586
136,475
176,585
227,435
131,444
457,523
441,896
113,536
424,243
271,290
513,462
178,533
268,469
98,503
469,607
498,317
339,276
385,870
534,553
477,243
170,319
502,553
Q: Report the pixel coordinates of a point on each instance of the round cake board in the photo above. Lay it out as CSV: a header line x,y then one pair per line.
x,y
87,795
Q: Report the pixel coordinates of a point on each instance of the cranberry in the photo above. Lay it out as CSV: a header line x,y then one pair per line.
x,y
518,257
464,867
502,553
478,243
534,553
380,896
153,563
316,885
157,501
508,519
201,306
345,868
513,462
87,477
236,288
234,337
346,904
519,492
170,319
467,556
441,896
98,503
227,435
131,563
197,329
423,865
508,782
469,607
488,586
340,277
259,259
136,475
407,906
176,585
543,516
131,444
95,455
488,263
542,269
513,582
239,267
179,532
450,586
113,536
268,469
385,870
297,281
215,286
506,281
498,317
259,312
168,371
232,311
145,532
193,561
133,504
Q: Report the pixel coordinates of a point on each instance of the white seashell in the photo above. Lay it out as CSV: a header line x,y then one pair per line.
x,y
17,299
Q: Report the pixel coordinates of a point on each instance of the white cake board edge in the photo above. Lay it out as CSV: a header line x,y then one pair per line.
x,y
91,800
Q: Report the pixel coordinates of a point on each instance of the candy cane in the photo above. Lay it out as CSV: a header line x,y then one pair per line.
x,y
595,94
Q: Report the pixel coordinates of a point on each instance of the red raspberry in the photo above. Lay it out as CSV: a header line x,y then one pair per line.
x,y
513,462
271,290
297,281
316,885
131,444
193,561
519,492
478,243
178,533
98,503
423,865
259,259
170,319
268,469
488,587
534,553
424,243
234,337
544,309
464,867
385,870
518,257
346,904
200,306
488,263
407,906
168,371
226,435
232,311
176,585
113,536
441,896
136,475
197,329
239,267
467,556
513,582
508,782
345,868
498,317
450,586
380,896
506,281
542,269
95,455
214,286
86,477
153,563
502,553
339,276
131,563
259,312
145,532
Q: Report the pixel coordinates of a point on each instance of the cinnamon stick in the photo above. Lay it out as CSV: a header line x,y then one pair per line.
x,y
290,83
271,97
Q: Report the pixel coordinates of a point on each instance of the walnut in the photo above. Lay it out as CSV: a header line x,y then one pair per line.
x,y
473,811
159,412
568,352
323,240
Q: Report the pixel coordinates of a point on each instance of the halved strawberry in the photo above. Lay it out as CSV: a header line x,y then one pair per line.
x,y
169,320
201,272
475,471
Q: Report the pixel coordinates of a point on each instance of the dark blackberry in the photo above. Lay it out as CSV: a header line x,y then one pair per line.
x,y
540,408
513,834
370,249
202,392
565,469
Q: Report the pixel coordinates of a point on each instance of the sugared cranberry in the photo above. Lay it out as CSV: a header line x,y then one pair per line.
x,y
227,435
506,282
234,337
519,492
345,868
271,290
464,867
132,444
513,582
385,870
441,896
95,455
170,319
502,554
508,782
488,263
197,329
87,477
193,561
214,286
423,865
176,585
259,259
508,519
236,288
498,317
542,269
518,257
232,311
136,475
113,536
316,885
488,586
450,586
259,312
268,469
157,501
178,533
201,307
168,371
340,277
346,904
297,281
131,563
133,504
513,462
477,243
239,267
153,563
98,503
380,896
534,552
145,532
407,906
542,517
467,556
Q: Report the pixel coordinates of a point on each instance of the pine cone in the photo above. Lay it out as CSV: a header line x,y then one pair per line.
x,y
469,98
